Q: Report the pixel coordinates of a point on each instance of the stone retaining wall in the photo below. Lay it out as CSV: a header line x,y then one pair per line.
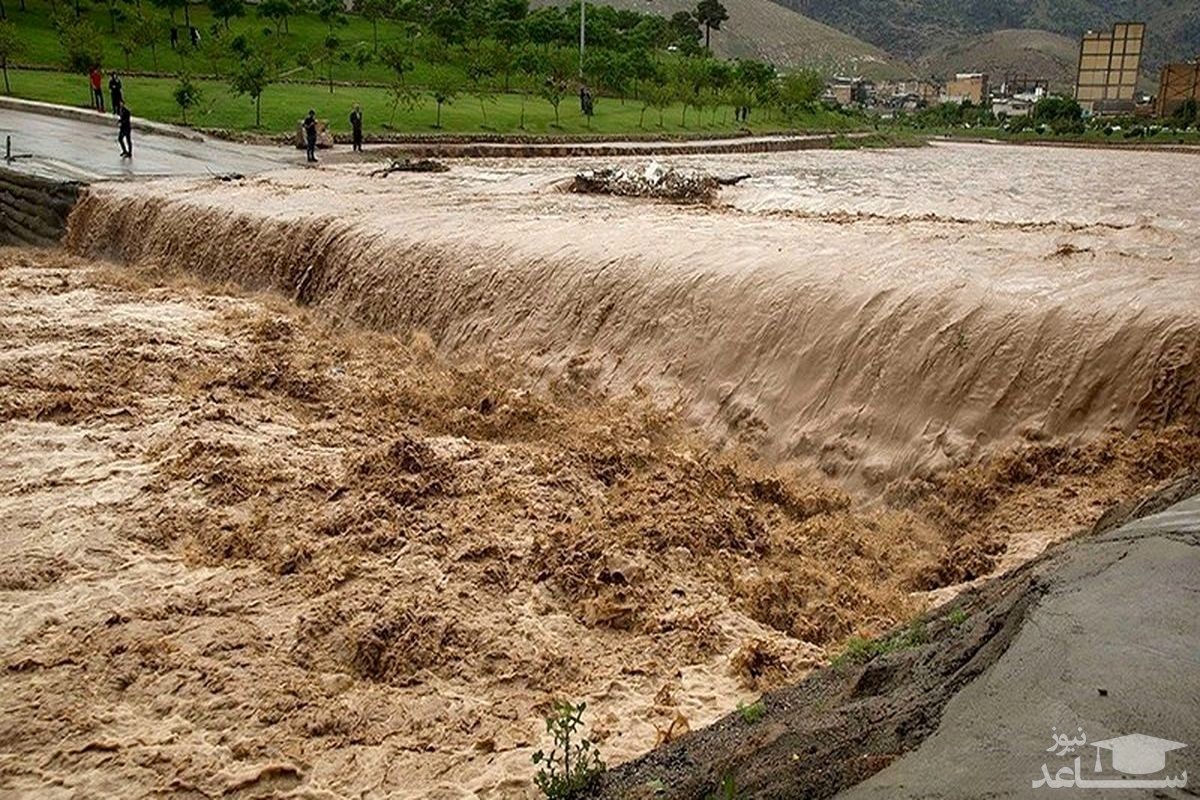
x,y
33,210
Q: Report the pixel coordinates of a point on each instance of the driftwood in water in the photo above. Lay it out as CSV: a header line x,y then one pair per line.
x,y
409,165
732,180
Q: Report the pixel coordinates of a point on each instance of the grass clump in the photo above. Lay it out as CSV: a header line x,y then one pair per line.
x,y
753,712
957,616
860,650
573,766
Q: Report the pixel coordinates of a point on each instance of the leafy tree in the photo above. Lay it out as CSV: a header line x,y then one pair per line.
x,y
82,46
755,81
449,25
444,85
397,59
12,45
332,13
145,29
225,10
547,26
252,77
373,11
332,46
170,6
481,68
187,95
798,91
215,51
1060,114
710,14
276,11
114,11
558,66
128,44
685,31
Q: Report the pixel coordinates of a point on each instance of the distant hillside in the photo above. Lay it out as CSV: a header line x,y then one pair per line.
x,y
1038,53
911,29
767,31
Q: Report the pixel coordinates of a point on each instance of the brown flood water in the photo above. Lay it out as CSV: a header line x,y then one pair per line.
x,y
356,549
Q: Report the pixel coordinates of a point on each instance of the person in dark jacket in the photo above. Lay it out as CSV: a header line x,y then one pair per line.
x,y
125,128
356,126
116,92
310,134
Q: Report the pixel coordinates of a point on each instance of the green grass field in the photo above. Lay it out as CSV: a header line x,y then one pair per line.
x,y
284,104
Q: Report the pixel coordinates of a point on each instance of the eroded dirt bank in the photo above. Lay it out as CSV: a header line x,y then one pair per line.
x,y
890,316
248,550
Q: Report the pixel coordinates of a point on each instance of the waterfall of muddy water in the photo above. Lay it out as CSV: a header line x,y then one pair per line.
x,y
247,550
881,314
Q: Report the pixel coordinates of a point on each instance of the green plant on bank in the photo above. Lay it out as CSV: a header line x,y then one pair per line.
x,y
753,712
957,616
573,765
187,95
727,790
859,650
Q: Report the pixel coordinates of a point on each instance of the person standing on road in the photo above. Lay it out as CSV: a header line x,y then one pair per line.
x,y
310,134
115,89
97,92
125,130
356,126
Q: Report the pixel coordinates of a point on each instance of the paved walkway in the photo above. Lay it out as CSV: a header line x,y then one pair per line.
x,y
75,149
1112,649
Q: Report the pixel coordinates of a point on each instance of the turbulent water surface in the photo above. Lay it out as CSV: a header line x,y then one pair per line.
x,y
878,312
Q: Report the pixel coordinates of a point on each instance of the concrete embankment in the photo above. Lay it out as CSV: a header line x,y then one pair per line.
x,y
34,210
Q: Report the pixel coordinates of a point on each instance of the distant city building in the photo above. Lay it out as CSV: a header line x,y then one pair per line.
x,y
967,86
1108,68
909,95
1012,107
848,91
1177,84
1020,84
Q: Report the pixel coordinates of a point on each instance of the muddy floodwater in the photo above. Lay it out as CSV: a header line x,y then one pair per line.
x,y
320,485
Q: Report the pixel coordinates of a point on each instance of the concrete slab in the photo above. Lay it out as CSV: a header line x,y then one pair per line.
x,y
83,150
1112,649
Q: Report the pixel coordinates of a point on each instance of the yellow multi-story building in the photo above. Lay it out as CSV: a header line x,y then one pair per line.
x,y
1108,68
1178,84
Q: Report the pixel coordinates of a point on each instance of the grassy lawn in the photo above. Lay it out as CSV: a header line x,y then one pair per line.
x,y
305,35
284,104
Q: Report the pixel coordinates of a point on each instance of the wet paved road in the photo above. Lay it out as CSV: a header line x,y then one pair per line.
x,y
79,150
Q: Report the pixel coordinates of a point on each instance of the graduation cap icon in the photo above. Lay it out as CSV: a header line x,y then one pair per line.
x,y
1137,754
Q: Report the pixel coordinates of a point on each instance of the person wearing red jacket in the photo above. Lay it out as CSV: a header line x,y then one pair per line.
x,y
97,91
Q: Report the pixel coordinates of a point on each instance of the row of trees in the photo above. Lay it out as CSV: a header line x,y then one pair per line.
x,y
550,74
473,49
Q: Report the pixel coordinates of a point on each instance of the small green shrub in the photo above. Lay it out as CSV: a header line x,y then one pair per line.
x,y
957,616
752,713
727,790
859,650
571,768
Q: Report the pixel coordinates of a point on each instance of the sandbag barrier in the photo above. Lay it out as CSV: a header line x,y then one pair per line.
x,y
34,210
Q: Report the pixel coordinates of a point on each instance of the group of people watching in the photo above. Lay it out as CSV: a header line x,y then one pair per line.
x,y
116,91
312,129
